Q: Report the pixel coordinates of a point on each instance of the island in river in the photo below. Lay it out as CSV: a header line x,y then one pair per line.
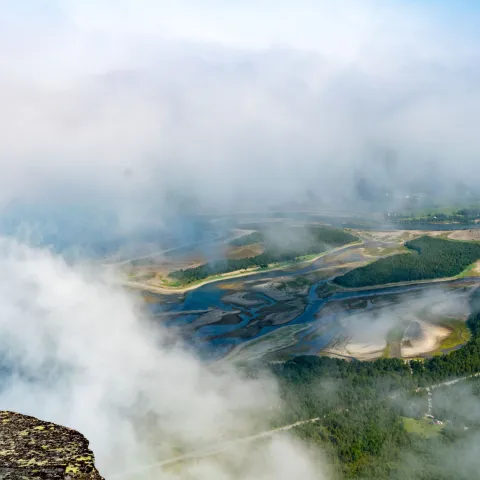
x,y
298,306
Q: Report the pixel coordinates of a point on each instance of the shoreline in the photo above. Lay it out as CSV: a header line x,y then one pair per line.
x,y
458,278
232,275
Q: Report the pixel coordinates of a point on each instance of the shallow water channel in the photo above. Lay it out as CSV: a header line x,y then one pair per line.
x,y
214,340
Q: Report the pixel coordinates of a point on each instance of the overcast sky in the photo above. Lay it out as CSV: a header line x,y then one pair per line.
x,y
238,103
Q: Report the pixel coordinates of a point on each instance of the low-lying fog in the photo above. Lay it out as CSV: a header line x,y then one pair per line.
x,y
141,113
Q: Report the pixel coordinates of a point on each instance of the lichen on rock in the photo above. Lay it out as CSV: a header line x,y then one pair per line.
x,y
34,449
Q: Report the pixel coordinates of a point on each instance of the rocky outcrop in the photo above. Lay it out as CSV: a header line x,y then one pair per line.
x,y
34,449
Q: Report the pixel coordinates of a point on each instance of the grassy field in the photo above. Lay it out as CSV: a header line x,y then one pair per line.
x,y
460,335
467,272
382,251
471,271
421,427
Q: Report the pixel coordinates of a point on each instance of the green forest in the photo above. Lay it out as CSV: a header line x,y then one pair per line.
x,y
304,241
362,405
463,216
430,258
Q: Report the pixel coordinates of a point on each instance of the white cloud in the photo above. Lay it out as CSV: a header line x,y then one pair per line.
x,y
250,102
242,104
85,357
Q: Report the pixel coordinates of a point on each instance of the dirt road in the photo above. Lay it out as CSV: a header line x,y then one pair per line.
x,y
219,448
214,449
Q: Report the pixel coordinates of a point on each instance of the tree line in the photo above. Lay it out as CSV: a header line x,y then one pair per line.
x,y
430,258
464,215
310,241
361,405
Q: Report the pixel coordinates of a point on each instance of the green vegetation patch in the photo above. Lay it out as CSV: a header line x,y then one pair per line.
x,y
370,413
460,334
437,258
325,290
445,215
304,241
424,427
384,251
470,271
299,282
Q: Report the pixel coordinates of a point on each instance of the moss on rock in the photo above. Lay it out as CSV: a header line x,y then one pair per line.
x,y
34,449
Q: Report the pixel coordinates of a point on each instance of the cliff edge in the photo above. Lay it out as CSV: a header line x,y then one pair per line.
x,y
34,449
